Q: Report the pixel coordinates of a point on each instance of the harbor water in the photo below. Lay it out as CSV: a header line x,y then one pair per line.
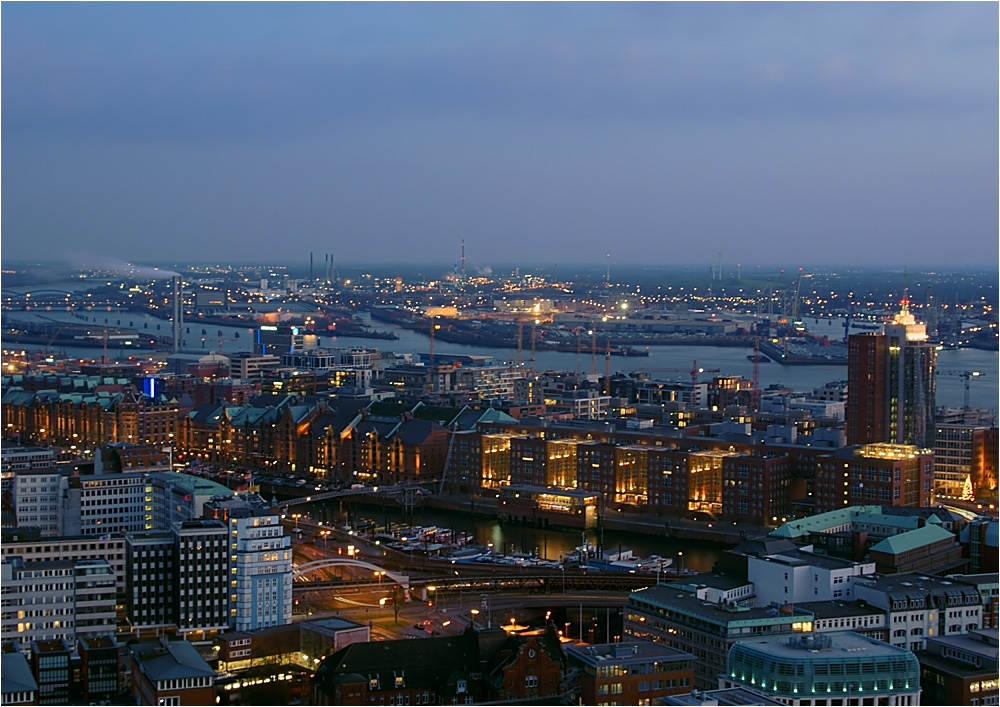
x,y
984,392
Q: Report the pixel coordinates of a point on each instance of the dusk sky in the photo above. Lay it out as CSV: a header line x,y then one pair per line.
x,y
662,133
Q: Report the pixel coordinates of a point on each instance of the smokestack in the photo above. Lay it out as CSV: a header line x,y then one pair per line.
x,y
310,267
178,313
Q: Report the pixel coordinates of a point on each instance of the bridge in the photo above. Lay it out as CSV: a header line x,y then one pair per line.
x,y
405,490
308,567
555,583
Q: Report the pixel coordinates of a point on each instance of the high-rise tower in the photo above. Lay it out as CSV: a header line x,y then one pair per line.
x,y
891,386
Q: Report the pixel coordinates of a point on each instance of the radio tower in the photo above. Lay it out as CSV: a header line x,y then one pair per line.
x,y
463,261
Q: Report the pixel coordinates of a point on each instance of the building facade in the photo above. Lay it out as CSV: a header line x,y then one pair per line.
x,y
830,669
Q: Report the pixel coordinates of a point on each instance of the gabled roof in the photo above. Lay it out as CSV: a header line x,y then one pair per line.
x,y
177,660
913,539
15,674
415,432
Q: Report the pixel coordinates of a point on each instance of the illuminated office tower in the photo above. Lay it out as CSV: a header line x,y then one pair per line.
x,y
891,387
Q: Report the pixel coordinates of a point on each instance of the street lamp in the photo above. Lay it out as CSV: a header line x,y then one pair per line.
x,y
474,613
680,561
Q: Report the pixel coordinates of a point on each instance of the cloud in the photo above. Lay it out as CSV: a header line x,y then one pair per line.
x,y
589,64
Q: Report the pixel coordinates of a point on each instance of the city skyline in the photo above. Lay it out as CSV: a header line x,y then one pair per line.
x,y
654,132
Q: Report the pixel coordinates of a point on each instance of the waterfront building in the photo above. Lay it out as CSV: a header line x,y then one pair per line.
x,y
678,619
170,673
888,474
841,668
260,561
544,506
755,487
48,601
631,673
891,384
252,366
277,340
960,670
919,606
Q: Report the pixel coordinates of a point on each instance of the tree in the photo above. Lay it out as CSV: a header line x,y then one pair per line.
x,y
967,493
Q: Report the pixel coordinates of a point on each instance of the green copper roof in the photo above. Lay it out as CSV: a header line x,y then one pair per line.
x,y
912,539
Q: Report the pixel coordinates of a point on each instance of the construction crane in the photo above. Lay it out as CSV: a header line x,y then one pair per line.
x,y
966,376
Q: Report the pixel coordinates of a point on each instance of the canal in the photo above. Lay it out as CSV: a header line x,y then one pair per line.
x,y
509,538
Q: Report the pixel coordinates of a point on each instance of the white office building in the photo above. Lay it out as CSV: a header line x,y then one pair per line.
x,y
798,575
58,600
260,556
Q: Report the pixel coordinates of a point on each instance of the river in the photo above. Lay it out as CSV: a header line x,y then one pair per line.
x,y
984,392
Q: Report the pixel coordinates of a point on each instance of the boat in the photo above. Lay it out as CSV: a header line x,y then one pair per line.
x,y
620,560
763,359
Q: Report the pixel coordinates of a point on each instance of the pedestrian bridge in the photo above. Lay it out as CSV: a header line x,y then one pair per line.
x,y
299,570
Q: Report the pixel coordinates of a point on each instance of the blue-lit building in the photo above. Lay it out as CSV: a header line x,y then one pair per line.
x,y
825,670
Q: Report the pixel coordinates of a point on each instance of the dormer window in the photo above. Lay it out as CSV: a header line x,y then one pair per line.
x,y
399,681
460,686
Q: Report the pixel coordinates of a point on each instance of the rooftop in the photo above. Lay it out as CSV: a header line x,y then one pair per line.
x,y
15,674
175,660
801,557
838,609
671,598
722,697
914,583
980,642
631,652
838,643
711,579
913,540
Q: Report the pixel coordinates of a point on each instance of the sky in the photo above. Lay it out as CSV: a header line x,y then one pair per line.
x,y
660,133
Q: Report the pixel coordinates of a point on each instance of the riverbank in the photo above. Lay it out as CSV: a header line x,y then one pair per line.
x,y
658,525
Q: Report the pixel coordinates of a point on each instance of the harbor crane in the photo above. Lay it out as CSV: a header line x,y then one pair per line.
x,y
966,376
